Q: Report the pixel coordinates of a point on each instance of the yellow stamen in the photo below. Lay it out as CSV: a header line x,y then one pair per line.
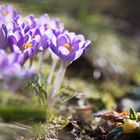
x,y
24,19
66,45
36,36
8,50
5,12
70,48
27,45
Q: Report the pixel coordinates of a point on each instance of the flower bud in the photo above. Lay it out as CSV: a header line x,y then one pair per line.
x,y
130,126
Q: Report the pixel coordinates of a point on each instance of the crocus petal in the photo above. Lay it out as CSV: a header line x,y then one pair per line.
x,y
87,43
79,37
63,50
16,49
78,53
71,35
61,40
54,48
53,40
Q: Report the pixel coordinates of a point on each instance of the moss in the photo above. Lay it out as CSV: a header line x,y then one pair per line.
x,y
14,113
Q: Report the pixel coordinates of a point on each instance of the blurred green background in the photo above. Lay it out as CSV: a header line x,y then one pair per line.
x,y
111,65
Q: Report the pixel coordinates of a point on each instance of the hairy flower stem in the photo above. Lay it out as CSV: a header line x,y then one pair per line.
x,y
58,81
41,62
49,80
53,66
31,62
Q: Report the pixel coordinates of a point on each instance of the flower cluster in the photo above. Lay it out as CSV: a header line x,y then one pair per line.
x,y
11,70
25,36
29,35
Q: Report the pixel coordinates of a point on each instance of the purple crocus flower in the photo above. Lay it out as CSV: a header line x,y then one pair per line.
x,y
45,25
8,13
24,44
68,46
30,20
26,23
26,38
11,73
3,36
44,36
48,23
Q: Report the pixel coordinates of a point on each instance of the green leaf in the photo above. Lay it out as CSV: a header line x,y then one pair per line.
x,y
132,114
